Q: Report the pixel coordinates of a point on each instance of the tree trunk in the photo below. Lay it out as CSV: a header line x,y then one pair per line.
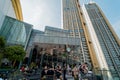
x,y
14,63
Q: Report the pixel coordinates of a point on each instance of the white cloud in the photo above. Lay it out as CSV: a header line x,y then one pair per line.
x,y
41,13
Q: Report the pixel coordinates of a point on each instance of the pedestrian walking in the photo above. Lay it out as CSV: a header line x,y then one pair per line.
x,y
75,72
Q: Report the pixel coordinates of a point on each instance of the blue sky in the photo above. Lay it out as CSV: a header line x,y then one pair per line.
x,y
43,13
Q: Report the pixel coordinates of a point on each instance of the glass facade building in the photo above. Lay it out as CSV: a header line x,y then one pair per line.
x,y
106,43
30,45
56,40
61,39
60,44
53,38
32,36
15,31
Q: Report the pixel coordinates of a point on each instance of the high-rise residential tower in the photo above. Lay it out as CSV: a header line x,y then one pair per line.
x,y
73,22
104,40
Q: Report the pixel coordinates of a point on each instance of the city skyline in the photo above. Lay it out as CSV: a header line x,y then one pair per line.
x,y
49,14
85,37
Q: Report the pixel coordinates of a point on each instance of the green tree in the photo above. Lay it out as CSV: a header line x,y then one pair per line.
x,y
2,42
15,53
2,46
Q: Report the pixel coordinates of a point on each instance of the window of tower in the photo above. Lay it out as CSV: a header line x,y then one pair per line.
x,y
83,39
81,31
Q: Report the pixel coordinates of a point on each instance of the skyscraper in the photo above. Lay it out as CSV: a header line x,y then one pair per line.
x,y
105,41
73,22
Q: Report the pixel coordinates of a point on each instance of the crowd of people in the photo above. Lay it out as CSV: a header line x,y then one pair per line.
x,y
51,72
25,69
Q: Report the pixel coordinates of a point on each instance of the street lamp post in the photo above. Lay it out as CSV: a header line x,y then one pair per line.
x,y
68,51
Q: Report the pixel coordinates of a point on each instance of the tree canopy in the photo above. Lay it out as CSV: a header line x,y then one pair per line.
x,y
2,45
11,52
2,42
14,53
